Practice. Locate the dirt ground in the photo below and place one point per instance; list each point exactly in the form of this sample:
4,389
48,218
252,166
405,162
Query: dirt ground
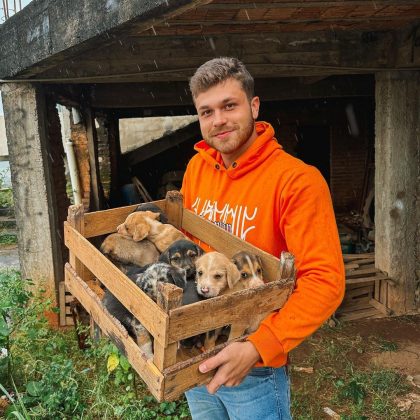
355,350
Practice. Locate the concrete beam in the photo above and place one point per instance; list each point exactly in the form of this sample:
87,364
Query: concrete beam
56,29
397,165
24,108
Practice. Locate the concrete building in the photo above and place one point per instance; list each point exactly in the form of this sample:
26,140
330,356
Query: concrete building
346,76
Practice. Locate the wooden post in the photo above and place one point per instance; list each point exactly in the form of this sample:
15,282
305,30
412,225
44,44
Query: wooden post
287,268
76,218
169,297
174,208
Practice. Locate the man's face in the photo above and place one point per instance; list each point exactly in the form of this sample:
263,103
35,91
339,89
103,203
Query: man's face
227,118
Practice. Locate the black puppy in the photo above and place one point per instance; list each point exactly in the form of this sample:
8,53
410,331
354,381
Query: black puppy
155,209
182,254
147,280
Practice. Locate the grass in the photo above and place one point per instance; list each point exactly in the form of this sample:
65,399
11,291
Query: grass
8,239
341,382
52,378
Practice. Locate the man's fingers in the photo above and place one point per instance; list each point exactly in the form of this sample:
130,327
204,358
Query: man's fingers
215,383
211,363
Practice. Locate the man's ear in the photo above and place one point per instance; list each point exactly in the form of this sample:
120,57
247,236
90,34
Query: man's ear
255,107
233,274
141,231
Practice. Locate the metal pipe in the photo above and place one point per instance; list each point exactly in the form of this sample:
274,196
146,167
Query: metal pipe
73,171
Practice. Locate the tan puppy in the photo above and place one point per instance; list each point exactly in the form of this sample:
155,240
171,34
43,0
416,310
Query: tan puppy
144,224
216,275
122,249
250,267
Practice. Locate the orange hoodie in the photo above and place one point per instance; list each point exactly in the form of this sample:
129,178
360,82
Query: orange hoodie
277,203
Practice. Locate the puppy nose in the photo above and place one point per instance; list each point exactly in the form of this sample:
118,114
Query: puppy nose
204,289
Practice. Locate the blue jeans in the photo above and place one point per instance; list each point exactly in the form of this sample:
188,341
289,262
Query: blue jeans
264,394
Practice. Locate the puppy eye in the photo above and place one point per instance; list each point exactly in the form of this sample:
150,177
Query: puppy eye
244,275
175,259
259,271
217,276
200,273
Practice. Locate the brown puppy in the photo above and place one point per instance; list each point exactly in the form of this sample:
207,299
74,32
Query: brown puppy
123,250
250,267
144,224
216,275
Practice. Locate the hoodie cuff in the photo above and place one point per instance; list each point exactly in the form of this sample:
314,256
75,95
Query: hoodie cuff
266,344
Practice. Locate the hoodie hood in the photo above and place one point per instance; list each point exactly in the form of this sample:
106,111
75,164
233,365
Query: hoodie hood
263,147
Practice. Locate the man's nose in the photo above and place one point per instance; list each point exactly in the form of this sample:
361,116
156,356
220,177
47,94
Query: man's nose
219,118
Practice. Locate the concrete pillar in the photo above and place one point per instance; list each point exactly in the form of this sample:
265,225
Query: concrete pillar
25,117
396,186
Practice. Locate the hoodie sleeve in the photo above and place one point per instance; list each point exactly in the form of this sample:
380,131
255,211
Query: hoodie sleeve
308,225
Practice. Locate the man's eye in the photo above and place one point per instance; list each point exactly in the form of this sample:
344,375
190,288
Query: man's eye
229,106
205,113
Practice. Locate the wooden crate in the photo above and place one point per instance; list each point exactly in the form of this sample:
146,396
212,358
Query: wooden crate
166,374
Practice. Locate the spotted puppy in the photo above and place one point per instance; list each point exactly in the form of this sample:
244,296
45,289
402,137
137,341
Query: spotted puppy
250,267
183,254
147,281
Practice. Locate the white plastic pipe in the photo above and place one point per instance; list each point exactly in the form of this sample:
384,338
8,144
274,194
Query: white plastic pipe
73,171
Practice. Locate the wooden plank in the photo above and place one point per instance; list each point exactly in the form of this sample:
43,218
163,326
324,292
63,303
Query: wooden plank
137,302
360,291
185,375
169,297
244,305
106,221
62,303
351,257
222,5
96,192
113,329
362,272
174,208
361,280
380,307
226,243
363,313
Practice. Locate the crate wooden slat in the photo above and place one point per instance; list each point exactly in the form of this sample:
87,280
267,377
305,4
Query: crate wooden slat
112,328
137,302
167,374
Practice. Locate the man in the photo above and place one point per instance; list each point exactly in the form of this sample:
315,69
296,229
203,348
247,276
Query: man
242,180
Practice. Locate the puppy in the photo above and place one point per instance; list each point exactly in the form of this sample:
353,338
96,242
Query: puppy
155,209
216,275
148,282
183,254
250,267
144,224
123,250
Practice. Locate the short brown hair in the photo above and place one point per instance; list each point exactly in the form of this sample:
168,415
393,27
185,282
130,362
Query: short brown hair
218,70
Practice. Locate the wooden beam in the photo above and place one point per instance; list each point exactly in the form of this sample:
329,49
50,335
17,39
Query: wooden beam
96,192
302,4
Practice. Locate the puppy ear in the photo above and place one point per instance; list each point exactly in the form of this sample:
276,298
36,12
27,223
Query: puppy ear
178,276
199,250
164,257
233,274
152,214
259,260
120,228
141,231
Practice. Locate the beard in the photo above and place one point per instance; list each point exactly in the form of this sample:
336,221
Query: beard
238,136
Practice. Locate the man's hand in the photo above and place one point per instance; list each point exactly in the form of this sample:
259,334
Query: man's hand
233,363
